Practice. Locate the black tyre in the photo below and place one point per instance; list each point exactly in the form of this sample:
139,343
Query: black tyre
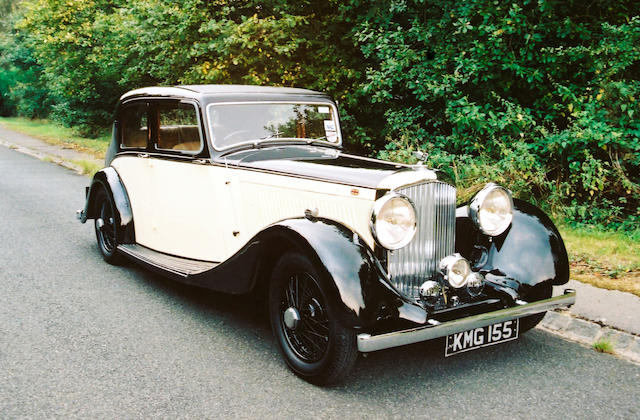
540,292
314,344
105,226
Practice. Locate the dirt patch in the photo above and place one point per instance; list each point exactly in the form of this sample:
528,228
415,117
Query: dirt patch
625,281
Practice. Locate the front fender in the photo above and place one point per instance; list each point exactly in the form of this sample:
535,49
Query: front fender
354,277
530,253
109,180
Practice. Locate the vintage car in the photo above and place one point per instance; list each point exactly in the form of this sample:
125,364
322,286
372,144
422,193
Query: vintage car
245,189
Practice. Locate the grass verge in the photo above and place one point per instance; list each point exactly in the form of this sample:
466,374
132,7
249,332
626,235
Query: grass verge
88,167
609,260
56,134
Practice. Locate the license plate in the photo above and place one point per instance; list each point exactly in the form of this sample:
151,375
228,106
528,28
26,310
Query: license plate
481,337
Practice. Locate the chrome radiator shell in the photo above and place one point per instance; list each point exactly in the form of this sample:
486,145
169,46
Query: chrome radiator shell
435,204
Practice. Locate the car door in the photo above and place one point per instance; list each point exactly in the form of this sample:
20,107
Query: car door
188,193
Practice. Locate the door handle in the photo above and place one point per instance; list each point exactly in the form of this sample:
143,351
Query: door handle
143,155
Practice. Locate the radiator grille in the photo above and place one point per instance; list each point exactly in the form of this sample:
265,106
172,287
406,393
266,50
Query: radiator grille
435,204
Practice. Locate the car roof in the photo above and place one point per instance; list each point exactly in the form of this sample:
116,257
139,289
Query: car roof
214,91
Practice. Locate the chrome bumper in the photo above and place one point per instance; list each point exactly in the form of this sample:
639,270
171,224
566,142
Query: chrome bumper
368,343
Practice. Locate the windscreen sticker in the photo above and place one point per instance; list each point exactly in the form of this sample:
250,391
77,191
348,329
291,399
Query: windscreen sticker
330,130
323,110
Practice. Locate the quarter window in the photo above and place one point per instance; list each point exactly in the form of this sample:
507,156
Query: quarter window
135,127
178,127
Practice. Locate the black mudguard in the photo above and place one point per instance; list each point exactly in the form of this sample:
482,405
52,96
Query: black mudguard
109,180
529,254
353,276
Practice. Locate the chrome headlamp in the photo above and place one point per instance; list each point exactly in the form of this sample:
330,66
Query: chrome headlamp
393,221
492,210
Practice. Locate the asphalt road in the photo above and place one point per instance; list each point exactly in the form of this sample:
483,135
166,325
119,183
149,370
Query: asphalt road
80,338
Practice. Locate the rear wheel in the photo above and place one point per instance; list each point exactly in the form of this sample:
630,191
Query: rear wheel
106,228
537,293
314,344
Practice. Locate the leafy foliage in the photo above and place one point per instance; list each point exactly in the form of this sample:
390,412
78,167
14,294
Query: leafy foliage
93,51
22,88
541,96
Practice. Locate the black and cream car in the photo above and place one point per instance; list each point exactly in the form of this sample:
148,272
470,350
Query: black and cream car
245,189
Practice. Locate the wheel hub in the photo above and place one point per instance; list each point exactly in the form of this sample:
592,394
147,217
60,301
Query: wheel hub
291,318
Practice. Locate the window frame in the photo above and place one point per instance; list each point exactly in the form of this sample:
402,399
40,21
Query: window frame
156,126
129,104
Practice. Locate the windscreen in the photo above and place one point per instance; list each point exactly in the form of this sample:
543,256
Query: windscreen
235,124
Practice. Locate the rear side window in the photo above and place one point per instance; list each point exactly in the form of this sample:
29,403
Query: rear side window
178,127
135,126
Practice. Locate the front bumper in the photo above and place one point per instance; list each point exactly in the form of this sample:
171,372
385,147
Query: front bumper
368,343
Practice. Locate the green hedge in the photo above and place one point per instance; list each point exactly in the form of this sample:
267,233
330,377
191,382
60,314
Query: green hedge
541,96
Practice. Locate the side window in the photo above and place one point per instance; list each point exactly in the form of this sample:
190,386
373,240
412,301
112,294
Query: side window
178,127
135,126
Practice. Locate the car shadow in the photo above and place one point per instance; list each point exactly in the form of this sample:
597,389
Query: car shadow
247,309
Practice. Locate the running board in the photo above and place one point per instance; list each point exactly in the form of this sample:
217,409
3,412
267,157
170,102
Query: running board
181,267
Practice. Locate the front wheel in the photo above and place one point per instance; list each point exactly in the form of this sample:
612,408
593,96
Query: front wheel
314,344
106,228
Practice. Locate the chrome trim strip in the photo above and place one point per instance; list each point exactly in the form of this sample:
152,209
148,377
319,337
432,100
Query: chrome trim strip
368,343
408,178
247,167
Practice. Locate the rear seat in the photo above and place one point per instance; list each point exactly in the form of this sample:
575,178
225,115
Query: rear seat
180,137
137,138
192,146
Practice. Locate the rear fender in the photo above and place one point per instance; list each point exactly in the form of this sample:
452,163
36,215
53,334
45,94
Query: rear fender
109,180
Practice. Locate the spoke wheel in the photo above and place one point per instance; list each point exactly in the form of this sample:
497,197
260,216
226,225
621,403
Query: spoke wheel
308,331
106,229
314,344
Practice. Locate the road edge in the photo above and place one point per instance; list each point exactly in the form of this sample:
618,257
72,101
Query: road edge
42,156
570,327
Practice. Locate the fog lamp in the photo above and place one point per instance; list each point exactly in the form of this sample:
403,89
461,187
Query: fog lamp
455,269
430,291
475,284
